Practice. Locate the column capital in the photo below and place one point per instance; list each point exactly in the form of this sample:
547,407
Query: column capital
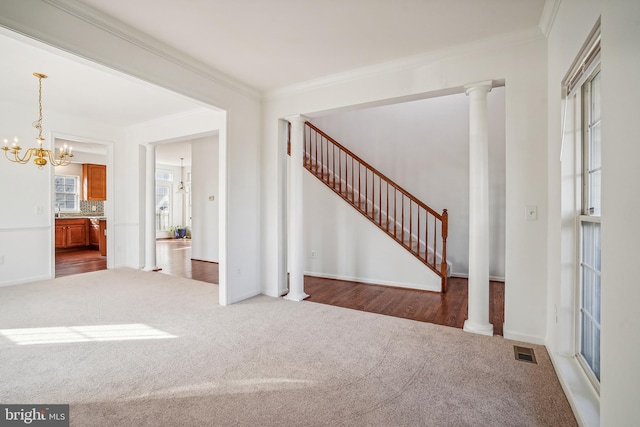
485,86
297,118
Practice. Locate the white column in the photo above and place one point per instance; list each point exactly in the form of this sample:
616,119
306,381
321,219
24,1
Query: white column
295,251
150,211
478,303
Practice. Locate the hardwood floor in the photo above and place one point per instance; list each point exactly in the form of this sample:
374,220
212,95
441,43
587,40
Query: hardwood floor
450,309
173,256
75,261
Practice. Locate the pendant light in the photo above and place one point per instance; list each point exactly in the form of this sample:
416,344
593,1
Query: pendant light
181,189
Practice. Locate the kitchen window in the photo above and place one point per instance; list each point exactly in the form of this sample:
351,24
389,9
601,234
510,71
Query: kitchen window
67,193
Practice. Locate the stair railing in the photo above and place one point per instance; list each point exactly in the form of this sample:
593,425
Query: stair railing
413,224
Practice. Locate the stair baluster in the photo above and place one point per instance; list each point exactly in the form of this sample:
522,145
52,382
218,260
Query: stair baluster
320,159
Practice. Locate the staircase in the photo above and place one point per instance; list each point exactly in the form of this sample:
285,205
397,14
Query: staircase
411,223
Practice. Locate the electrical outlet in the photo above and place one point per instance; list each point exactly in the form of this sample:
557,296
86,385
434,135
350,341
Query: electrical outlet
93,208
238,272
212,198
313,254
39,210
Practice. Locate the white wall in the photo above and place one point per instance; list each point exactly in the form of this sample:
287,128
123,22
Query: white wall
347,246
26,230
205,212
424,147
239,137
617,404
620,205
521,62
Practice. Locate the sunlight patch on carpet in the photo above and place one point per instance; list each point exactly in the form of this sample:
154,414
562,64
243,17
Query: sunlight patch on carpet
76,334
242,386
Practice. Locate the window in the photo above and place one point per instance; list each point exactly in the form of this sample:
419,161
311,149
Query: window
67,193
590,233
582,122
163,207
164,180
162,175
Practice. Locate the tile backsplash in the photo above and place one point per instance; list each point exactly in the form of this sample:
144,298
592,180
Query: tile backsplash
86,207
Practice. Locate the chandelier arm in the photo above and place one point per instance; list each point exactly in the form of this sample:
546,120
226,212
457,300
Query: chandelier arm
16,155
63,160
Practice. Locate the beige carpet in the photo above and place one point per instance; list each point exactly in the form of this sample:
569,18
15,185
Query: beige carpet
263,362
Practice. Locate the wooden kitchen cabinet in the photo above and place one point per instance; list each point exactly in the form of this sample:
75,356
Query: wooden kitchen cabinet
103,237
94,182
71,233
94,232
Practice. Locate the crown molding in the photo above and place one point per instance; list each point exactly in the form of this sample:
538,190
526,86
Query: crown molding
151,45
500,42
548,16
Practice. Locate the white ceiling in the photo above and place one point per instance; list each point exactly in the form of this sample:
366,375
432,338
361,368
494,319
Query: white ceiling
265,44
78,87
83,90
274,43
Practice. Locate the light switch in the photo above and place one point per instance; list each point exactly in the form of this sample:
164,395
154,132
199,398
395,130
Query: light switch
532,213
211,198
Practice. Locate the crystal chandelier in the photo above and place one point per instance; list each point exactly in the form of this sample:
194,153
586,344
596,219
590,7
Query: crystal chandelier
39,154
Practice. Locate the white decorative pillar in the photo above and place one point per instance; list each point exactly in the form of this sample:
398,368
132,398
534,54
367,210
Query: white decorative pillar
478,302
295,251
150,211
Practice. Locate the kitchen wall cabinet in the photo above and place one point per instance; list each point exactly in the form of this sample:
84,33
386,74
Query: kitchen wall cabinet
94,182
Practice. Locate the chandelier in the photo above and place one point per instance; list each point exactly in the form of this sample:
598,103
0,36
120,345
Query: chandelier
39,154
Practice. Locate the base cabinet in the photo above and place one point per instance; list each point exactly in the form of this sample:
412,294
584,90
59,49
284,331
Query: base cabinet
94,232
71,233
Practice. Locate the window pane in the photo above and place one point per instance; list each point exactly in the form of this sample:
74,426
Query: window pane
67,193
163,207
595,98
164,175
590,296
593,146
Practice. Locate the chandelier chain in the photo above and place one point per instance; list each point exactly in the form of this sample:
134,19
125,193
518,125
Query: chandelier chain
38,123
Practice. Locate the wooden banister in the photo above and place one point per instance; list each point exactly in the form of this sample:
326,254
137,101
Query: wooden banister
380,199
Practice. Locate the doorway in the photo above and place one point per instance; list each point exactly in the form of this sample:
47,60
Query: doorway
80,202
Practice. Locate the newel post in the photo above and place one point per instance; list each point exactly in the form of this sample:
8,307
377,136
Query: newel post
443,264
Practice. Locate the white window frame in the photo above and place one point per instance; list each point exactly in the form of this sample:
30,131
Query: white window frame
76,194
588,216
584,68
168,186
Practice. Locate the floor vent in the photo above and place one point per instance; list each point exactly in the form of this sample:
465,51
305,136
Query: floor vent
524,354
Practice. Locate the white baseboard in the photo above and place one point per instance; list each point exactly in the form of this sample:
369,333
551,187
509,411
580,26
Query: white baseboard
466,276
421,287
245,296
582,398
517,336
27,280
